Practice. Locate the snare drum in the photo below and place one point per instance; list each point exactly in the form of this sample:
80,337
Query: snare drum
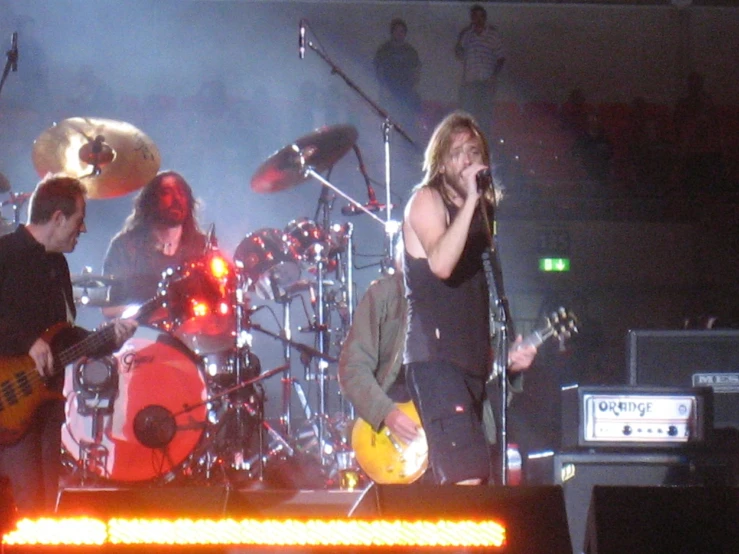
198,297
221,367
158,415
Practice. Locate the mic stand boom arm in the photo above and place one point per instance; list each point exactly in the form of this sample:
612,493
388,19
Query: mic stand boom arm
388,124
308,171
501,327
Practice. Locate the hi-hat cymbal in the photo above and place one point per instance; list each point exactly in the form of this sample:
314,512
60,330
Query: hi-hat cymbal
320,149
92,281
111,158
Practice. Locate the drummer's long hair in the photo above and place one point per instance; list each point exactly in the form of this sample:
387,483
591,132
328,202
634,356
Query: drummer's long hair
145,207
441,142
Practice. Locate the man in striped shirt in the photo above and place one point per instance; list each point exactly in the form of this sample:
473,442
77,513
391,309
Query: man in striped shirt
480,49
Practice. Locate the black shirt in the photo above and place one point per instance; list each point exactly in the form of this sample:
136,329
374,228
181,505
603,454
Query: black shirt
448,319
35,291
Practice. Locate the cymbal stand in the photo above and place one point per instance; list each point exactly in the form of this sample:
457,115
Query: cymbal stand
288,381
321,328
243,409
343,298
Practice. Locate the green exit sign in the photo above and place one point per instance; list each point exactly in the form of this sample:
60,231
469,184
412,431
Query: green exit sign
554,265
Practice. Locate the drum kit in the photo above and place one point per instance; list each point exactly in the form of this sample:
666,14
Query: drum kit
183,399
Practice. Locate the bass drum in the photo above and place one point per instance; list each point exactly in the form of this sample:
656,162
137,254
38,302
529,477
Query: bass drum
157,418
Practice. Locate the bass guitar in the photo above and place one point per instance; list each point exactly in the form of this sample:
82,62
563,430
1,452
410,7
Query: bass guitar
22,388
389,461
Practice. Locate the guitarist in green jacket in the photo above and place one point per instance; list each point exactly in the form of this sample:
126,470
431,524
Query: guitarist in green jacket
36,297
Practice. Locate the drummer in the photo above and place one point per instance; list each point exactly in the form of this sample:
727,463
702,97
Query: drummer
161,232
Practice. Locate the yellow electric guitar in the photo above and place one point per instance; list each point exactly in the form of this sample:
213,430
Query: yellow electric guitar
389,461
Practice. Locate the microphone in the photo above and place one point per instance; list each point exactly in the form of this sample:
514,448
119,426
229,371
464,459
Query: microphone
484,180
353,209
13,54
211,242
301,39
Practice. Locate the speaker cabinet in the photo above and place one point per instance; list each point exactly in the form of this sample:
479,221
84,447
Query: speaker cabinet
207,502
580,472
8,511
649,520
533,516
706,358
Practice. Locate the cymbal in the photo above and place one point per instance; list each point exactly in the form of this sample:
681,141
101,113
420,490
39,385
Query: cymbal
111,158
321,149
92,281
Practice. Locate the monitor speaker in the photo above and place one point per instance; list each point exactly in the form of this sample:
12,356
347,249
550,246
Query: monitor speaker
580,472
534,517
647,520
207,502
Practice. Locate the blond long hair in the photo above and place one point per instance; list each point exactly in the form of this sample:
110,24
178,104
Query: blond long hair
441,142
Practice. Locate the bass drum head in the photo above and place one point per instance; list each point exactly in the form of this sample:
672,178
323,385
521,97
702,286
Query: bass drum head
153,426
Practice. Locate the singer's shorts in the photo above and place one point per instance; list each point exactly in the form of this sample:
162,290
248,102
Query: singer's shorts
449,402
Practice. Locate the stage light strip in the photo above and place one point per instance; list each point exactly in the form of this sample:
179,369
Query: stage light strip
87,531
51,531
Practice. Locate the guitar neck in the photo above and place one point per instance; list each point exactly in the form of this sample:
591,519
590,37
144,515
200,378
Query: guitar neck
92,343
88,345
537,338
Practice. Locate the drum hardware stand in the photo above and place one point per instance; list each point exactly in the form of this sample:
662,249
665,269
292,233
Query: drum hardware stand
17,199
287,379
95,396
307,354
241,408
288,382
320,258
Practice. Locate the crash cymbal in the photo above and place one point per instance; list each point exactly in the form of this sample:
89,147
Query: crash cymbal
320,149
111,158
91,281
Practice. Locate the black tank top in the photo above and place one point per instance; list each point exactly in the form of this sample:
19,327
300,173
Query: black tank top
448,319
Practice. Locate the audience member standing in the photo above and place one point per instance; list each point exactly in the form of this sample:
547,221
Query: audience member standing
697,128
594,150
397,67
480,49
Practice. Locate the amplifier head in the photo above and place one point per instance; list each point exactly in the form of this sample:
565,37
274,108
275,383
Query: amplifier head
636,417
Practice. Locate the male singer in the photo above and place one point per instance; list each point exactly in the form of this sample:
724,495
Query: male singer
448,349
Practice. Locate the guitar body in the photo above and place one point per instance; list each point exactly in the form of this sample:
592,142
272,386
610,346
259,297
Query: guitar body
385,459
22,391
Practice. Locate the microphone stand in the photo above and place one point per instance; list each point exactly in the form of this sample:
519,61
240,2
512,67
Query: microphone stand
501,327
11,63
387,126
